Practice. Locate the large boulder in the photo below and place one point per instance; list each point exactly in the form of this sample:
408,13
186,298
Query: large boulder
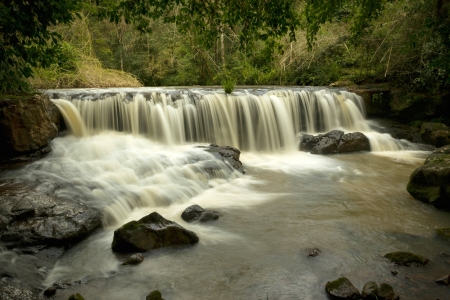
334,142
27,125
151,232
341,289
31,217
431,182
436,134
197,213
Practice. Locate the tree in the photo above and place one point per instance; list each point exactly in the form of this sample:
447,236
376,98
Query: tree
26,40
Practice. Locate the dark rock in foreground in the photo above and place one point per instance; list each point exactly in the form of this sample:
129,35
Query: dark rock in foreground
134,259
197,213
334,142
436,134
341,288
430,183
30,217
27,124
151,232
155,295
406,259
227,154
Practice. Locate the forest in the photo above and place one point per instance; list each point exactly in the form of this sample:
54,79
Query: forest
405,43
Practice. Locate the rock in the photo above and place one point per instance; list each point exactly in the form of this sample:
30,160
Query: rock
386,292
155,295
341,288
51,291
370,291
134,259
397,130
436,134
406,259
27,125
197,213
76,297
430,183
151,232
444,233
10,292
353,142
313,252
227,154
376,98
444,280
394,272
35,218
334,142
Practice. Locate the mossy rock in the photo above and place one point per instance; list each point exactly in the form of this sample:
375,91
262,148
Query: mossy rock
155,295
406,259
341,288
76,297
444,233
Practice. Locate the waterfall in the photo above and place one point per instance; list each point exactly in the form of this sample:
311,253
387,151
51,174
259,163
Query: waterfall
261,120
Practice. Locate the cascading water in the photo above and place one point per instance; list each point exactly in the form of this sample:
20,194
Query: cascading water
262,120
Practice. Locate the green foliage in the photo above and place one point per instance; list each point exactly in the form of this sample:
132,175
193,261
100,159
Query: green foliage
25,38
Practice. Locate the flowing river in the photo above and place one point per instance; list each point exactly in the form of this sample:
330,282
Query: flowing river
133,151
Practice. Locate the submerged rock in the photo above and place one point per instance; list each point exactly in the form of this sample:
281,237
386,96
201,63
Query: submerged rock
334,142
10,292
313,252
27,125
134,259
341,288
155,295
151,232
197,213
444,233
35,218
406,259
444,280
430,183
436,134
227,154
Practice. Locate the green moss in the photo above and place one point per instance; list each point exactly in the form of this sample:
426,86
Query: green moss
76,297
155,295
406,259
336,284
427,194
444,233
385,290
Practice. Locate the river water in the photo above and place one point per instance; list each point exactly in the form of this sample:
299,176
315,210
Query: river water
353,207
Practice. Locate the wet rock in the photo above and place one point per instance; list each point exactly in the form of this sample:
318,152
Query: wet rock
394,272
197,213
444,233
155,295
353,142
430,183
334,142
370,291
397,130
406,259
436,134
10,292
27,125
227,154
35,218
386,292
51,291
444,280
151,232
134,259
313,252
341,288
76,297
376,98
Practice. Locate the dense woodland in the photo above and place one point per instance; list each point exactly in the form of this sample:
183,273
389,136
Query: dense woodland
180,43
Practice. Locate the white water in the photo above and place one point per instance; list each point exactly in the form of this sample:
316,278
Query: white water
267,121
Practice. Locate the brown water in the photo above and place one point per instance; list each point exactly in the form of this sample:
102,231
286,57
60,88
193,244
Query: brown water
353,207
